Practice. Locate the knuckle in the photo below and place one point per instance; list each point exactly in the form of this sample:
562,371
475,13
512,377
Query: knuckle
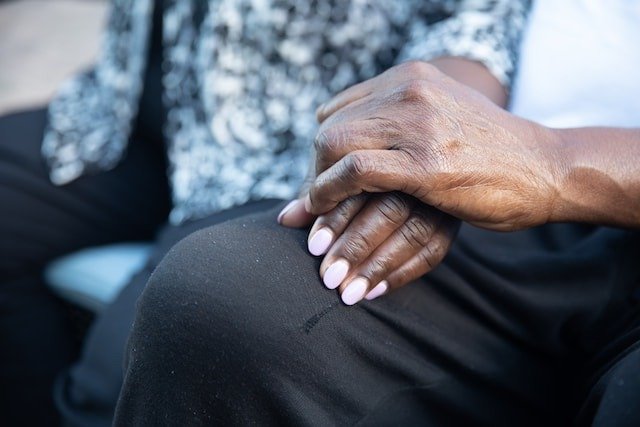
342,216
417,231
357,166
354,246
394,208
328,141
322,141
415,91
343,213
378,268
431,256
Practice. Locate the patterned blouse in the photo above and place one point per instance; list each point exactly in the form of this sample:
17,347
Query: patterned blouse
242,79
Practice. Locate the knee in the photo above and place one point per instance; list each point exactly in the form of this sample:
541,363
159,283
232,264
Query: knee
224,317
237,289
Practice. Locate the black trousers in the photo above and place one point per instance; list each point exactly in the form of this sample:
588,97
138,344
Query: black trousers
539,327
39,222
86,393
586,344
40,361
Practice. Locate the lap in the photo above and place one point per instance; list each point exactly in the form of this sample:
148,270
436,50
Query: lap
87,392
240,308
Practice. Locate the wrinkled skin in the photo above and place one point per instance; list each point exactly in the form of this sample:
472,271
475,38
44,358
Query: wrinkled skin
415,130
388,239
398,135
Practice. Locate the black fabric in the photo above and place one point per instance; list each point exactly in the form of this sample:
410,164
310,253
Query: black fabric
612,383
531,325
235,328
39,222
87,393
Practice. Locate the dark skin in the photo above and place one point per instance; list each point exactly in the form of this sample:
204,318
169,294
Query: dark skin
417,132
452,148
376,243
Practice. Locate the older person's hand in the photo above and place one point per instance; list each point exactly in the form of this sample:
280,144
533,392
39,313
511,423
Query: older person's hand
375,243
413,129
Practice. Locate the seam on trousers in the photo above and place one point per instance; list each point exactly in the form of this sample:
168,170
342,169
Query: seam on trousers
313,320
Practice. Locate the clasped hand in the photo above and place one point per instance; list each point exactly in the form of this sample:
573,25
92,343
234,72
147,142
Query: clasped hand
436,152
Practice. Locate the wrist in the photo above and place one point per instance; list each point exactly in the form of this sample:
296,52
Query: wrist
560,163
596,176
547,167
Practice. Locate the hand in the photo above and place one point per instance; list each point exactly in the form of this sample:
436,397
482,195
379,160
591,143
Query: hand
415,130
374,244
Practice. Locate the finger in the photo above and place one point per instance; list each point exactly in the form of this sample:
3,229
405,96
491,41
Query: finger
295,215
310,176
414,268
390,78
372,171
380,217
333,142
346,97
411,252
377,291
403,244
423,262
332,224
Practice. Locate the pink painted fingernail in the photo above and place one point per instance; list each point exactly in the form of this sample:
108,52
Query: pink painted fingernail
354,292
380,289
336,273
320,241
286,209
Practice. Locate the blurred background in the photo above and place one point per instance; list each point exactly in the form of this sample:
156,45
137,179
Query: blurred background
41,43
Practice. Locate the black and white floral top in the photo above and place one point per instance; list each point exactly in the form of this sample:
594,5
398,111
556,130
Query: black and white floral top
242,78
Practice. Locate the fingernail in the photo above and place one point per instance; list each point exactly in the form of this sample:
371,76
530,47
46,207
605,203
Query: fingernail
307,203
286,209
336,273
354,292
380,289
320,241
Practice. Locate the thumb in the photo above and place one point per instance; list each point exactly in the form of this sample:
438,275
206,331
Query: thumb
294,215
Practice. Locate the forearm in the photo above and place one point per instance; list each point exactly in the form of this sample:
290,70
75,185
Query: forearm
598,179
475,75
